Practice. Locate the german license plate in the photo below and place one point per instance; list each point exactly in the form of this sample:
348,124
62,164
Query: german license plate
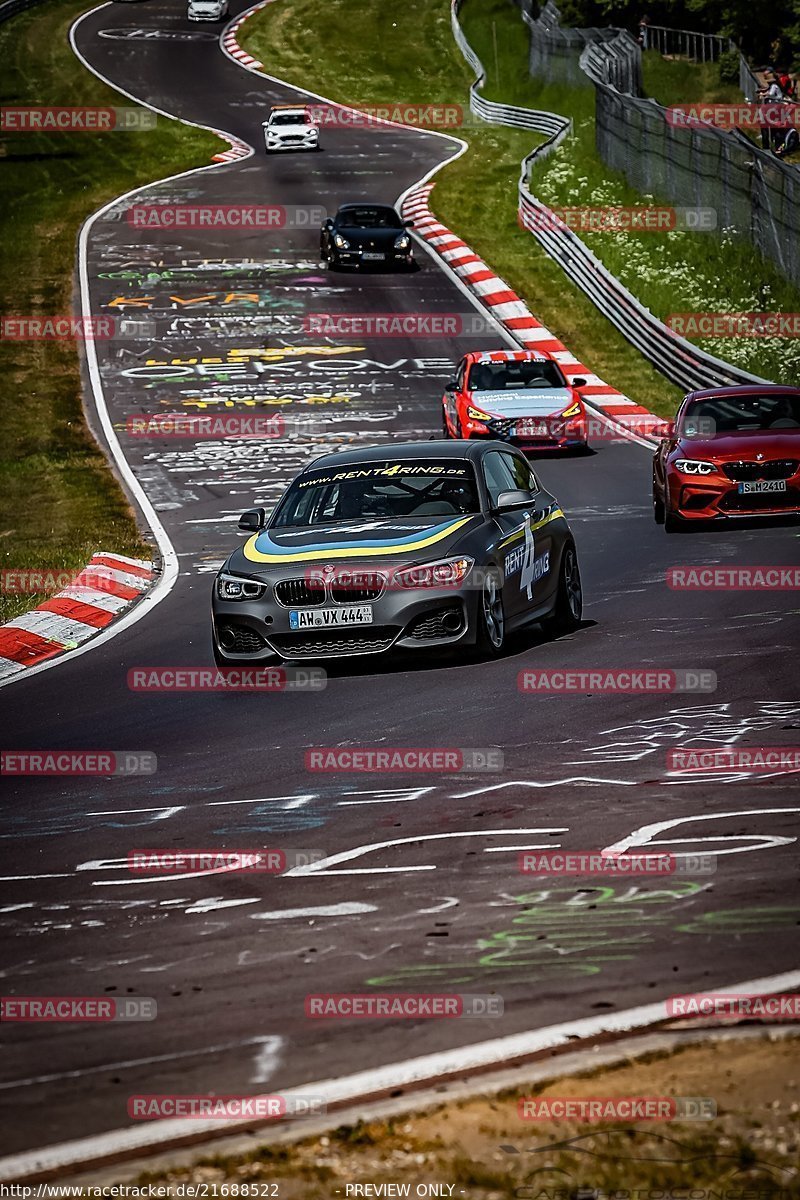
532,429
373,255
763,485
330,618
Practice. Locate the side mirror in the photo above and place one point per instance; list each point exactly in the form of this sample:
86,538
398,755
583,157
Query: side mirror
518,498
669,430
579,381
253,520
408,224
328,224
451,385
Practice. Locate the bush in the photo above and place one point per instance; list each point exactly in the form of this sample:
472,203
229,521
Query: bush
729,67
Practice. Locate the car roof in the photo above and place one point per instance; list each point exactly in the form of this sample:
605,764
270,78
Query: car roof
366,204
403,451
747,389
486,356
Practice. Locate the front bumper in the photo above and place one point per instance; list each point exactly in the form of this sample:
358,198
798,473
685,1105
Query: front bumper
716,497
303,142
408,619
355,258
207,16
557,437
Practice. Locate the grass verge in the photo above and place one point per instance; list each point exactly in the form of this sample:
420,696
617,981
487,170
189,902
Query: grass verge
59,501
482,1149
406,52
680,81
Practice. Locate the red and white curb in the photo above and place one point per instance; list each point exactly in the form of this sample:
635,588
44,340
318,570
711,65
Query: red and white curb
230,42
513,314
238,150
105,588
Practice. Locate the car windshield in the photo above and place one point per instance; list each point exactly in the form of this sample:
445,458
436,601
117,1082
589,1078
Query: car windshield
294,118
750,413
502,376
369,217
416,488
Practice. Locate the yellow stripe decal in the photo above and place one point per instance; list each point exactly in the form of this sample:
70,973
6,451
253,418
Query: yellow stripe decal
519,533
355,551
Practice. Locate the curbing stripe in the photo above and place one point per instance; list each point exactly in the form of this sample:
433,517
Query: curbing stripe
106,587
513,314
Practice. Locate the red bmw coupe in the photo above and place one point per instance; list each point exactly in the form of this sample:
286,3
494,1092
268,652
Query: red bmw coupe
730,452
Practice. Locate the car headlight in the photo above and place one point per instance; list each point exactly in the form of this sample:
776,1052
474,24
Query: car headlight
694,466
402,242
475,414
340,243
574,410
447,572
234,587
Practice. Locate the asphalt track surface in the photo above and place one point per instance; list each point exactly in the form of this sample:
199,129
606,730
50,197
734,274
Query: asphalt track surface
230,958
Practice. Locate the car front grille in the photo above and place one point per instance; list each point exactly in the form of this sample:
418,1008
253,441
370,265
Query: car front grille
333,643
761,501
294,593
245,640
432,625
746,471
357,595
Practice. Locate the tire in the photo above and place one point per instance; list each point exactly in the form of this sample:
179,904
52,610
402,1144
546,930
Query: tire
491,635
672,524
568,609
659,512
445,427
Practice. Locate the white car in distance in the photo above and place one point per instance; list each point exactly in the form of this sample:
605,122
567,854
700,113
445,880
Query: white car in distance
290,127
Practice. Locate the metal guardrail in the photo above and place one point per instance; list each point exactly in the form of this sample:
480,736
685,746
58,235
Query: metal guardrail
688,43
10,8
493,113
677,359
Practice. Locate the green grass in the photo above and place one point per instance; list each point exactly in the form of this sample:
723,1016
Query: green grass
311,45
679,81
59,501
